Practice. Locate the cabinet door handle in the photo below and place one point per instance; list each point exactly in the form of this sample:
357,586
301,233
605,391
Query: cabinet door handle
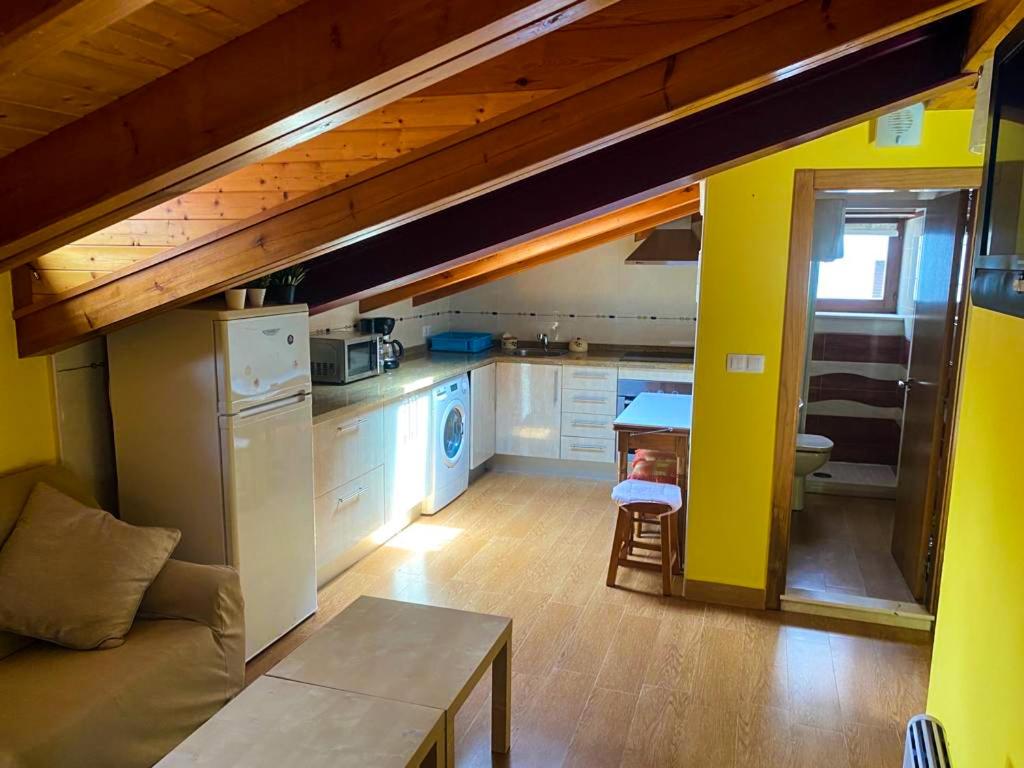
352,426
591,448
595,424
590,375
554,394
351,497
577,399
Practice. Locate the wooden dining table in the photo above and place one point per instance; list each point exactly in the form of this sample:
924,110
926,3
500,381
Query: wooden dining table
658,421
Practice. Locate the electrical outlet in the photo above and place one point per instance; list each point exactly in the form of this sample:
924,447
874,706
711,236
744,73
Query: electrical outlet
426,331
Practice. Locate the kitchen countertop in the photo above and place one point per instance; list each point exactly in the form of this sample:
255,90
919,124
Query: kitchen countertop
419,373
657,411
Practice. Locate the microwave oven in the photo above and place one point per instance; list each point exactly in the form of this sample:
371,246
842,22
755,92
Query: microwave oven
345,358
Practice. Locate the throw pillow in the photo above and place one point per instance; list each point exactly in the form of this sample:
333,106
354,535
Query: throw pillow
74,575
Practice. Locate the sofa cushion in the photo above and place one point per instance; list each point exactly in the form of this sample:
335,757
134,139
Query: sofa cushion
122,708
75,575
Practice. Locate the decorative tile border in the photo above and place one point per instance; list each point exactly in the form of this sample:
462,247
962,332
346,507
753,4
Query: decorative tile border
555,315
350,327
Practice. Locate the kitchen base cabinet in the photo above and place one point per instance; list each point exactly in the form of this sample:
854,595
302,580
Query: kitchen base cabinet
407,458
481,415
588,410
351,521
346,448
588,449
528,410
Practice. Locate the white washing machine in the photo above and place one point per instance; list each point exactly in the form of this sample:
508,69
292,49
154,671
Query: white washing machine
450,432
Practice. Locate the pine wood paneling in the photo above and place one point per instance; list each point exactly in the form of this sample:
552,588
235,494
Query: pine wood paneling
86,53
292,78
357,146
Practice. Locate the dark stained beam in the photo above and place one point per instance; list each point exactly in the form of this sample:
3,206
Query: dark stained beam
898,71
549,256
406,194
656,210
307,71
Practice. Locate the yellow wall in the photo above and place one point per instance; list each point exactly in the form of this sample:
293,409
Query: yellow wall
977,678
742,290
27,429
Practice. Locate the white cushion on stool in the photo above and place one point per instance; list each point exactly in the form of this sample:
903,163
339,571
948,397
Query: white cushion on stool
646,492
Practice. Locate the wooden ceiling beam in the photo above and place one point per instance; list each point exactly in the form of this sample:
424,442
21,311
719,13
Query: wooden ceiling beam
913,66
539,140
33,29
591,232
991,22
554,254
303,73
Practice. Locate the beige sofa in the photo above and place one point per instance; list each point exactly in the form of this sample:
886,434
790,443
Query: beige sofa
130,705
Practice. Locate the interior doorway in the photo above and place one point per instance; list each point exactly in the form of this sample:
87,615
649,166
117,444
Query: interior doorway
871,349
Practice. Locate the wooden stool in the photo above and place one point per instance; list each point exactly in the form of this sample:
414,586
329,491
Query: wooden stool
639,502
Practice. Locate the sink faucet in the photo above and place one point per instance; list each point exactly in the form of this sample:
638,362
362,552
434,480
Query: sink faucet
543,339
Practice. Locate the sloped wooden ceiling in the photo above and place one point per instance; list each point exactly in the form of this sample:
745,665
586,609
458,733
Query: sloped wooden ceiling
300,74
619,70
566,56
62,59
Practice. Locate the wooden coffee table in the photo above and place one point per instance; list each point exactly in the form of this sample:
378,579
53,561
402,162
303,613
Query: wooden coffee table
277,722
417,654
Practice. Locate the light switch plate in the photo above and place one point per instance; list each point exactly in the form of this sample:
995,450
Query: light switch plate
736,363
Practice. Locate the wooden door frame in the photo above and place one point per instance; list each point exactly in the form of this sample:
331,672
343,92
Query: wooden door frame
806,184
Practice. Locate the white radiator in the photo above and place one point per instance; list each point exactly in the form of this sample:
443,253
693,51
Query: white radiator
926,744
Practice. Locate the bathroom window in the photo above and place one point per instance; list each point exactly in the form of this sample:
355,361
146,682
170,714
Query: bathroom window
866,278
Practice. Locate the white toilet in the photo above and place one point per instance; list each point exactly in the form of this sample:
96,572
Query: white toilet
812,453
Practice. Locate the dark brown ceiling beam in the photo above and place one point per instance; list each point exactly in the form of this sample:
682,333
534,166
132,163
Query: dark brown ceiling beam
305,72
593,231
904,70
559,131
32,29
554,254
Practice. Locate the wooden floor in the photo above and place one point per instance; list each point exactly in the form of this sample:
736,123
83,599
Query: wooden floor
625,677
840,544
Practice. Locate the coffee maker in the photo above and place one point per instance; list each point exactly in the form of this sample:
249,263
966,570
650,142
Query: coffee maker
391,351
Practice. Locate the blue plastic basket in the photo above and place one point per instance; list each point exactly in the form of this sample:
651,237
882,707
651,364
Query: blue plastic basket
461,341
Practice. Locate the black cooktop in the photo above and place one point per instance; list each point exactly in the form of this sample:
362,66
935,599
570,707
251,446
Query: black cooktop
683,355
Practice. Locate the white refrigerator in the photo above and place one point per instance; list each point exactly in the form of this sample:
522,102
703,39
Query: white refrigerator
213,435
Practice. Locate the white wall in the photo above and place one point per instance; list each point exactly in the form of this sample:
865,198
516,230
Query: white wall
409,327
592,294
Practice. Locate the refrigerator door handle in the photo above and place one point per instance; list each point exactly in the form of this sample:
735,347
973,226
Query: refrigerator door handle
273,406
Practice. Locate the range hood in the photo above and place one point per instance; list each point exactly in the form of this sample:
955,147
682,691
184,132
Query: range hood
674,243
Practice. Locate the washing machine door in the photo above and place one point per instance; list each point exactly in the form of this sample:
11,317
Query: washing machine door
453,433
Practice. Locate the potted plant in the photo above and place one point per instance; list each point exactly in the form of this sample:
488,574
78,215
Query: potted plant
257,290
285,281
235,298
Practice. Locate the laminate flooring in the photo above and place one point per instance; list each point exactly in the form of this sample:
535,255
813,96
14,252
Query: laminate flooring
626,677
840,544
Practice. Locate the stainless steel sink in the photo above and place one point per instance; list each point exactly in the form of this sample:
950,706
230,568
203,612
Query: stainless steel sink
535,352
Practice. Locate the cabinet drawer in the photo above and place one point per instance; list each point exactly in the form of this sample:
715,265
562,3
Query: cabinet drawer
588,401
588,449
344,449
589,377
347,518
587,425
